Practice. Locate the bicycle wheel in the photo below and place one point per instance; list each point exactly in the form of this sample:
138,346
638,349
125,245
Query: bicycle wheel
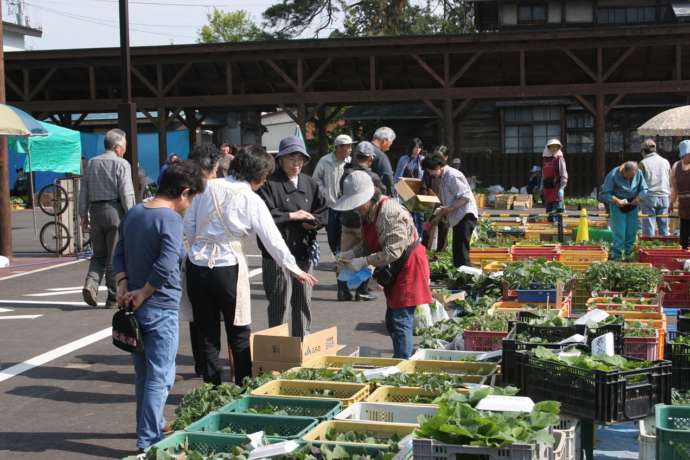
53,199
54,237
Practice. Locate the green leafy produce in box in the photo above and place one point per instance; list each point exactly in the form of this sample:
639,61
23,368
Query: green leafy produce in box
536,274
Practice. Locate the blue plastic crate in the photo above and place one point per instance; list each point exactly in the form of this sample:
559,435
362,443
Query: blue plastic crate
536,295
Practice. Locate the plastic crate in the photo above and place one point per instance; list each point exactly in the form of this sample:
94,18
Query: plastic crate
483,340
670,259
356,362
321,409
234,423
672,432
602,397
679,355
405,395
429,354
430,449
647,439
566,435
380,430
205,444
386,412
536,295
346,393
464,368
683,324
646,348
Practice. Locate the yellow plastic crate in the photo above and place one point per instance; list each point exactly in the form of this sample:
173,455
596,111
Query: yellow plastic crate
380,430
405,395
346,393
586,257
507,306
494,266
449,367
338,362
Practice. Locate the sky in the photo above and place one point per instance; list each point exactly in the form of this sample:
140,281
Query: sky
94,23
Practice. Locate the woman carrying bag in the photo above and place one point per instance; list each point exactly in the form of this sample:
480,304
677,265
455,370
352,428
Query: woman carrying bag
217,272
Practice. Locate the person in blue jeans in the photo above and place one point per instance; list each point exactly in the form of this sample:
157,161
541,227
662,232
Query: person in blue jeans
657,173
147,262
623,189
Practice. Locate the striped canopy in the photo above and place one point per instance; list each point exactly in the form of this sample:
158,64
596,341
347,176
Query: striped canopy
672,122
16,122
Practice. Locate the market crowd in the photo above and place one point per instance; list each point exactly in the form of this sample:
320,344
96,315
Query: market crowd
180,255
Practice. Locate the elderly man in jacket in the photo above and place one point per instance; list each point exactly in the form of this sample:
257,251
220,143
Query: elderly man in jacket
657,173
623,189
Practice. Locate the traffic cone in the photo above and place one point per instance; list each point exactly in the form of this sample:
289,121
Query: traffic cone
583,226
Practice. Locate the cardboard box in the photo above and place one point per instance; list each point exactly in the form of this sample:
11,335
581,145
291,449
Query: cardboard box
523,202
276,345
408,189
262,367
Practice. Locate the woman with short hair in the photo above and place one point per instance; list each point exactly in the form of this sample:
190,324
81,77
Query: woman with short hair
217,272
146,262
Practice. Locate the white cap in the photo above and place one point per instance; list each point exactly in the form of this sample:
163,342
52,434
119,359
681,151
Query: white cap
554,142
343,139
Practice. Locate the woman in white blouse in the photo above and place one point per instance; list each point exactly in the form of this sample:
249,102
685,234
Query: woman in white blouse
217,274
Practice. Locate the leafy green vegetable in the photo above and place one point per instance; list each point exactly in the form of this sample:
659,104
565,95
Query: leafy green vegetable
682,339
581,201
680,397
649,244
458,422
621,277
590,362
202,400
497,322
536,274
638,329
485,236
363,437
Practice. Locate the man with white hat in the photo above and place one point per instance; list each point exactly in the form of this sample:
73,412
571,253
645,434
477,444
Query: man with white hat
328,174
391,244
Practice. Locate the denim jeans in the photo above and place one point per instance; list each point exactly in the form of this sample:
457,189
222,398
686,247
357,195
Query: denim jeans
154,370
624,227
554,206
334,230
654,206
399,323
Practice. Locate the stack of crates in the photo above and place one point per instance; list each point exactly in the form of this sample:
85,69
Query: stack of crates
579,258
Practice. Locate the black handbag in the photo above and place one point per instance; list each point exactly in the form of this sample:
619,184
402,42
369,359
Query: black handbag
387,274
126,332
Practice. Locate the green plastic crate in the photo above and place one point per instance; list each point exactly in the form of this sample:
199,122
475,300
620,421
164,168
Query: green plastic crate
206,444
320,409
672,432
272,426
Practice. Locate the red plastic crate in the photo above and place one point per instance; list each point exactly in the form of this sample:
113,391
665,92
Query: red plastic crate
641,347
670,238
483,340
664,258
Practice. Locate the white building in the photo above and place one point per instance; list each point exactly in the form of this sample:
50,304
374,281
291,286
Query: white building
14,36
277,125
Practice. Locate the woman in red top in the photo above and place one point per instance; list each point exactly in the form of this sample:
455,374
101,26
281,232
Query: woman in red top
554,177
390,239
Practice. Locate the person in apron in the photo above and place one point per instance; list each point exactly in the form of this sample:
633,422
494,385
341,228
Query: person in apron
554,178
680,190
389,240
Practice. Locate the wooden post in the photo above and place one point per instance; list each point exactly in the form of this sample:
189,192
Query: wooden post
302,118
449,126
162,136
599,140
323,139
5,209
127,110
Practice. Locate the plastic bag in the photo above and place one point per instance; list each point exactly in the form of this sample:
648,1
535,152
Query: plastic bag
438,312
422,317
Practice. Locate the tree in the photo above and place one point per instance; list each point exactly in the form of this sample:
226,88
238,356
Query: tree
230,26
371,17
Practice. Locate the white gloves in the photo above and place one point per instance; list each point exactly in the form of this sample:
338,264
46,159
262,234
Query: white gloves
358,263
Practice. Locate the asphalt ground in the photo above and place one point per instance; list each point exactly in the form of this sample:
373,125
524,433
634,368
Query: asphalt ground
81,405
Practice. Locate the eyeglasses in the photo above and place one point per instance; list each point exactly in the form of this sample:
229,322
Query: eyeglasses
296,159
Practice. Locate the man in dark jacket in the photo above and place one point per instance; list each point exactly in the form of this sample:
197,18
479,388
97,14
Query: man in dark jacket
352,234
299,209
382,141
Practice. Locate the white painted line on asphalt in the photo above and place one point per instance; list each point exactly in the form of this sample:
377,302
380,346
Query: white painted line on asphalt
42,269
255,272
44,358
48,302
65,288
21,317
62,292
5,310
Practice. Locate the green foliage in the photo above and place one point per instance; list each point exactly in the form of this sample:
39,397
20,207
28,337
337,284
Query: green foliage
485,236
680,397
202,400
536,274
638,329
581,201
494,323
621,277
682,339
230,26
593,363
458,422
650,244
362,437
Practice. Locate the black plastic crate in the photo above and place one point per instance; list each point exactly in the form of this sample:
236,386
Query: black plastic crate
679,355
602,397
683,324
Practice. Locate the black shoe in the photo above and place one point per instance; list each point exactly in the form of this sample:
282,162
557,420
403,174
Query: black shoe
89,296
364,296
110,304
344,294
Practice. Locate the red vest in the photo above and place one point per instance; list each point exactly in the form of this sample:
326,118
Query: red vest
550,173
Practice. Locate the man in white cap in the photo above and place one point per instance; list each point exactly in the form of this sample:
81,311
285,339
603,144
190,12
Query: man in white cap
328,174
391,244
680,190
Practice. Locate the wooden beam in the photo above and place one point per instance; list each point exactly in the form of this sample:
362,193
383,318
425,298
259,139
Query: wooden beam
15,88
92,83
81,118
319,70
300,75
162,136
282,74
150,118
446,69
146,81
458,75
600,64
311,113
302,117
599,140
585,103
448,125
176,78
523,70
228,77
159,78
580,64
463,105
372,73
334,112
679,62
41,83
289,113
613,103
178,114
618,62
26,82
428,69
433,107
